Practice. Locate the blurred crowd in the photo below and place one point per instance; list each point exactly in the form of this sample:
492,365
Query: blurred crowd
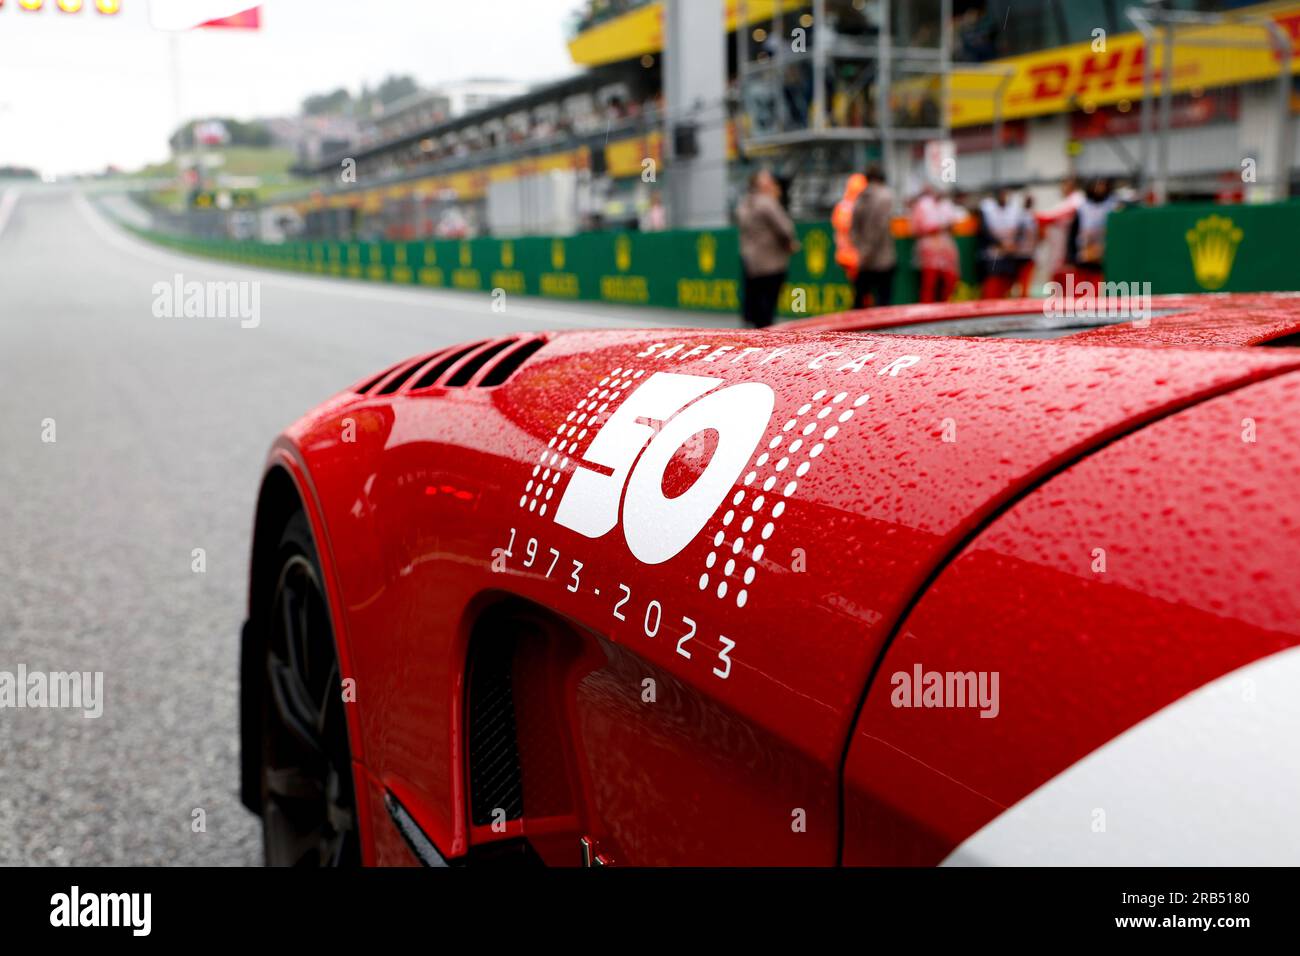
1018,247
975,35
550,124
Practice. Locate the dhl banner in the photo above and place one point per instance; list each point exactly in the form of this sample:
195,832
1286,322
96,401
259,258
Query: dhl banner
1064,78
1049,81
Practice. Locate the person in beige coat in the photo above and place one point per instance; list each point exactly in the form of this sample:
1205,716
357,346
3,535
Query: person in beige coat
767,241
872,235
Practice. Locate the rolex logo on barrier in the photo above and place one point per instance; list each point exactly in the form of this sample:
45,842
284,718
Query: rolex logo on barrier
1213,244
706,247
816,250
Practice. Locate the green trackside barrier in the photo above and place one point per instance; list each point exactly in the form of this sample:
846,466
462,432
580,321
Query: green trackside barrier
683,269
1200,247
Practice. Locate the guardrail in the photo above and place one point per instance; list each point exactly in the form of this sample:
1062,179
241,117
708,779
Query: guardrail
681,269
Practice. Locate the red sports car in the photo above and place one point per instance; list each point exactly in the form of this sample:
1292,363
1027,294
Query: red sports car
966,584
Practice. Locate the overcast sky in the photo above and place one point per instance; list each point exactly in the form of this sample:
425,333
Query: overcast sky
80,91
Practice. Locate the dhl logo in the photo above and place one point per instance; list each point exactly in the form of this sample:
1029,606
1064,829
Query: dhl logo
1063,78
1094,73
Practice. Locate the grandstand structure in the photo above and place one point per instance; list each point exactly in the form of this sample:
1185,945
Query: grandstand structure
992,91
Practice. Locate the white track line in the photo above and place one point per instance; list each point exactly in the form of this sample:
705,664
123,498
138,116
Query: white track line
8,200
424,299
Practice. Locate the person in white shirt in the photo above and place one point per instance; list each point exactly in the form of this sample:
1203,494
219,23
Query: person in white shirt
999,222
935,252
1087,248
1055,223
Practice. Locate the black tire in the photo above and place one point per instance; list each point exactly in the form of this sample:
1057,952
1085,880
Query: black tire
308,801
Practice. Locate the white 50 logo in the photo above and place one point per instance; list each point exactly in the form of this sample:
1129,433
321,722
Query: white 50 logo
631,451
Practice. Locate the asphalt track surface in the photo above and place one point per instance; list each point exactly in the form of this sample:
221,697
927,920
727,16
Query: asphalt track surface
161,427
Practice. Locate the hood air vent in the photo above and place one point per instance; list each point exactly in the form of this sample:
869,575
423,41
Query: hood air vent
479,365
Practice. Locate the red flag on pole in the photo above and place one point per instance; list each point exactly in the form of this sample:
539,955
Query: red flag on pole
179,15
244,20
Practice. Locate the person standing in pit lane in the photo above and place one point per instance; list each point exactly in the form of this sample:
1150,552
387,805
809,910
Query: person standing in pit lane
767,241
873,238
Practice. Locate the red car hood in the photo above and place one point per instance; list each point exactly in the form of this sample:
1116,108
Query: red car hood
1224,320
